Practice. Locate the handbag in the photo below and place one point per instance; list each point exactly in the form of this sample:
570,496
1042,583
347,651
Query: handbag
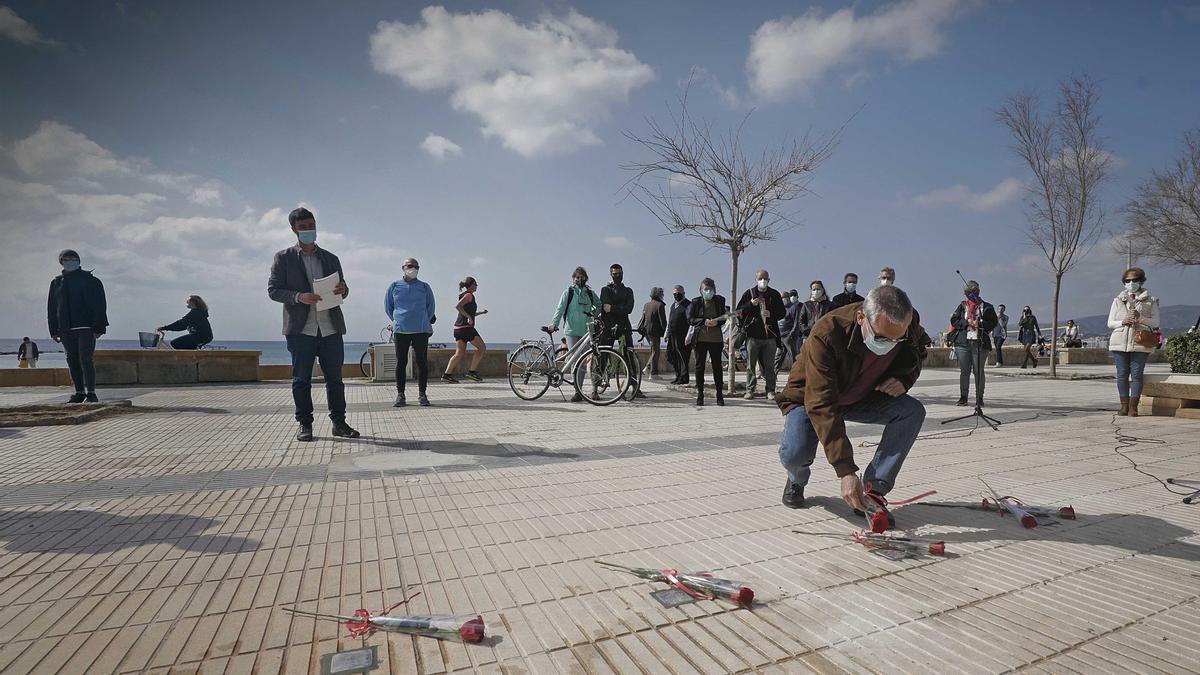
23,363
1145,337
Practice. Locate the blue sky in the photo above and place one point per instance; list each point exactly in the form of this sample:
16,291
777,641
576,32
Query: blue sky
167,141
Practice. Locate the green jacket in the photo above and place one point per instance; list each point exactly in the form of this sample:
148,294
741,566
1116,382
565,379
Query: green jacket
580,300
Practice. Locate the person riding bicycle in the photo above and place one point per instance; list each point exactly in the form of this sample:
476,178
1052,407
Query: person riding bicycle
616,304
574,307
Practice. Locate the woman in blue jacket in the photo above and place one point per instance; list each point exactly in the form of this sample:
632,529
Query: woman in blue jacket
409,304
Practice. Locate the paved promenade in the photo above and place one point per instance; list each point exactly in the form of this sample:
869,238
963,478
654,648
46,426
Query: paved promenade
169,540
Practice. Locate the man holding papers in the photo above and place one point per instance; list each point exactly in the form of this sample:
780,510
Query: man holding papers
312,322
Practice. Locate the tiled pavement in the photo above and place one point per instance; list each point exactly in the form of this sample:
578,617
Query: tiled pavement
169,540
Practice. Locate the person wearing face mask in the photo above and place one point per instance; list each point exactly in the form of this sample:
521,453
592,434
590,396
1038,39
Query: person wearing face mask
1029,333
678,349
857,365
789,328
707,314
811,310
77,314
1000,334
972,323
653,326
312,335
410,305
195,322
1134,321
760,310
576,307
887,277
616,304
849,295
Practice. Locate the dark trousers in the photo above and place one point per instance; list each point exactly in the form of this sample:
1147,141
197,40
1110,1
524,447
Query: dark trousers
999,351
328,350
971,359
189,341
712,351
419,343
80,345
678,355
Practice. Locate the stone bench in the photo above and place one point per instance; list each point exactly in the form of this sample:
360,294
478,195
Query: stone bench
1170,395
169,366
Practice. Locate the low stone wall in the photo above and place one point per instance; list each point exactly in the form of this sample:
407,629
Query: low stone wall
939,357
1171,395
168,366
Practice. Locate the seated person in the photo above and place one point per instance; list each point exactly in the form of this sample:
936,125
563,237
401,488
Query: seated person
1074,335
195,322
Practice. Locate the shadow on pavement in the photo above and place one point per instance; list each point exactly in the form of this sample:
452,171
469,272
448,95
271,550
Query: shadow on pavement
475,448
82,531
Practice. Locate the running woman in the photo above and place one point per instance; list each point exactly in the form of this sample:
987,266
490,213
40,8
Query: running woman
464,332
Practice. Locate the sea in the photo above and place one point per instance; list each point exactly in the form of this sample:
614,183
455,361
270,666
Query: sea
274,352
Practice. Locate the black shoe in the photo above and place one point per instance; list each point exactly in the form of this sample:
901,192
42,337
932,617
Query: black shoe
577,398
305,433
344,430
91,397
423,400
675,381
449,379
400,401
793,495
474,376
639,394
77,397
699,403
720,401
979,403
686,380
962,400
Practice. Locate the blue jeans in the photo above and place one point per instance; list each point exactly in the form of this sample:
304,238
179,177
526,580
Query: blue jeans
328,349
1130,366
902,418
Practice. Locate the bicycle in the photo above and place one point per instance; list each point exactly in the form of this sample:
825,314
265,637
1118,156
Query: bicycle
598,373
366,362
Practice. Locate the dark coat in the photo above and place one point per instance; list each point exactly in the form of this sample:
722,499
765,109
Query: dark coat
677,323
194,322
76,300
654,320
30,354
828,364
791,321
842,299
810,313
1029,332
621,300
751,315
288,280
987,322
696,313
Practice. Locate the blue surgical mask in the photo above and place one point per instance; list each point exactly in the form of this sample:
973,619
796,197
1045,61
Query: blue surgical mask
973,297
70,265
1131,286
307,237
851,286
708,293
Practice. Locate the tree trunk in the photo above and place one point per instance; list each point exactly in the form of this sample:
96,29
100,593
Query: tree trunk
1054,328
731,377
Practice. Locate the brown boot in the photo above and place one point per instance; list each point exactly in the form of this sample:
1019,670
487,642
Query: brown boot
1124,406
1133,406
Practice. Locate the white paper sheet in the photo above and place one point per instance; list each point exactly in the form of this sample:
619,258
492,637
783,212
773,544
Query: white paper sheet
324,288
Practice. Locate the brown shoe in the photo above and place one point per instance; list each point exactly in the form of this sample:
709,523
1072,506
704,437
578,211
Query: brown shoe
1124,406
1133,405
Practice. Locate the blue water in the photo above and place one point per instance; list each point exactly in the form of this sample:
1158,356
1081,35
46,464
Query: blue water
274,352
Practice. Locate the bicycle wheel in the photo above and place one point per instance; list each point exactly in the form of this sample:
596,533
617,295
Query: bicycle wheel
529,372
385,335
602,377
366,364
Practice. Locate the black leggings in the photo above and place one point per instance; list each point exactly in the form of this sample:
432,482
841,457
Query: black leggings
712,350
189,341
419,342
80,345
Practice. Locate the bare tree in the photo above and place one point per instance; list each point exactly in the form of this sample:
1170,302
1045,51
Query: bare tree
1164,214
702,184
1069,163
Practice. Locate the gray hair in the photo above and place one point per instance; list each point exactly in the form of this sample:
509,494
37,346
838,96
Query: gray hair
410,261
889,301
656,293
762,273
888,271
972,286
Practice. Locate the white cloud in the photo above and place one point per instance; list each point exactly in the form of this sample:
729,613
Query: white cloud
619,242
440,147
19,30
57,150
477,261
789,56
702,76
960,195
539,87
205,196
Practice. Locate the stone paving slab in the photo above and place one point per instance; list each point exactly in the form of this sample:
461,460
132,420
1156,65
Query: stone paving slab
168,541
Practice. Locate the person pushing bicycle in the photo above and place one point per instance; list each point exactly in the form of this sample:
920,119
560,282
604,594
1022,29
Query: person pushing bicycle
616,304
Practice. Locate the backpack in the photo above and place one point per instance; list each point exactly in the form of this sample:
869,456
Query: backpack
571,295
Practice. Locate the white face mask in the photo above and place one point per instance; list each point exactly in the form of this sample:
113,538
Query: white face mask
1133,286
817,294
850,286
885,282
762,284
877,347
410,272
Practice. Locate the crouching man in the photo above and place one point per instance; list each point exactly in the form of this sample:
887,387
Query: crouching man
857,365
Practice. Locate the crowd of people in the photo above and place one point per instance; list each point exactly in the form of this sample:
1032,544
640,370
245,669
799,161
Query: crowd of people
848,358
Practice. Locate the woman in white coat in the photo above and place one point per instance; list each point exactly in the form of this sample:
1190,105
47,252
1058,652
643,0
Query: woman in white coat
1133,320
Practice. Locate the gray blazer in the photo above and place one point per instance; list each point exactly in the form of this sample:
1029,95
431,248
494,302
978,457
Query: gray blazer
288,280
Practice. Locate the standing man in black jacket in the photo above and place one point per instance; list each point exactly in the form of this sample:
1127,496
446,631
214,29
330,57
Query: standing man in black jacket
312,335
760,309
616,304
77,313
973,321
850,295
678,353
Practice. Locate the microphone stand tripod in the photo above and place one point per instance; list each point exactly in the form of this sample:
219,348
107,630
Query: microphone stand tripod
1188,485
990,421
